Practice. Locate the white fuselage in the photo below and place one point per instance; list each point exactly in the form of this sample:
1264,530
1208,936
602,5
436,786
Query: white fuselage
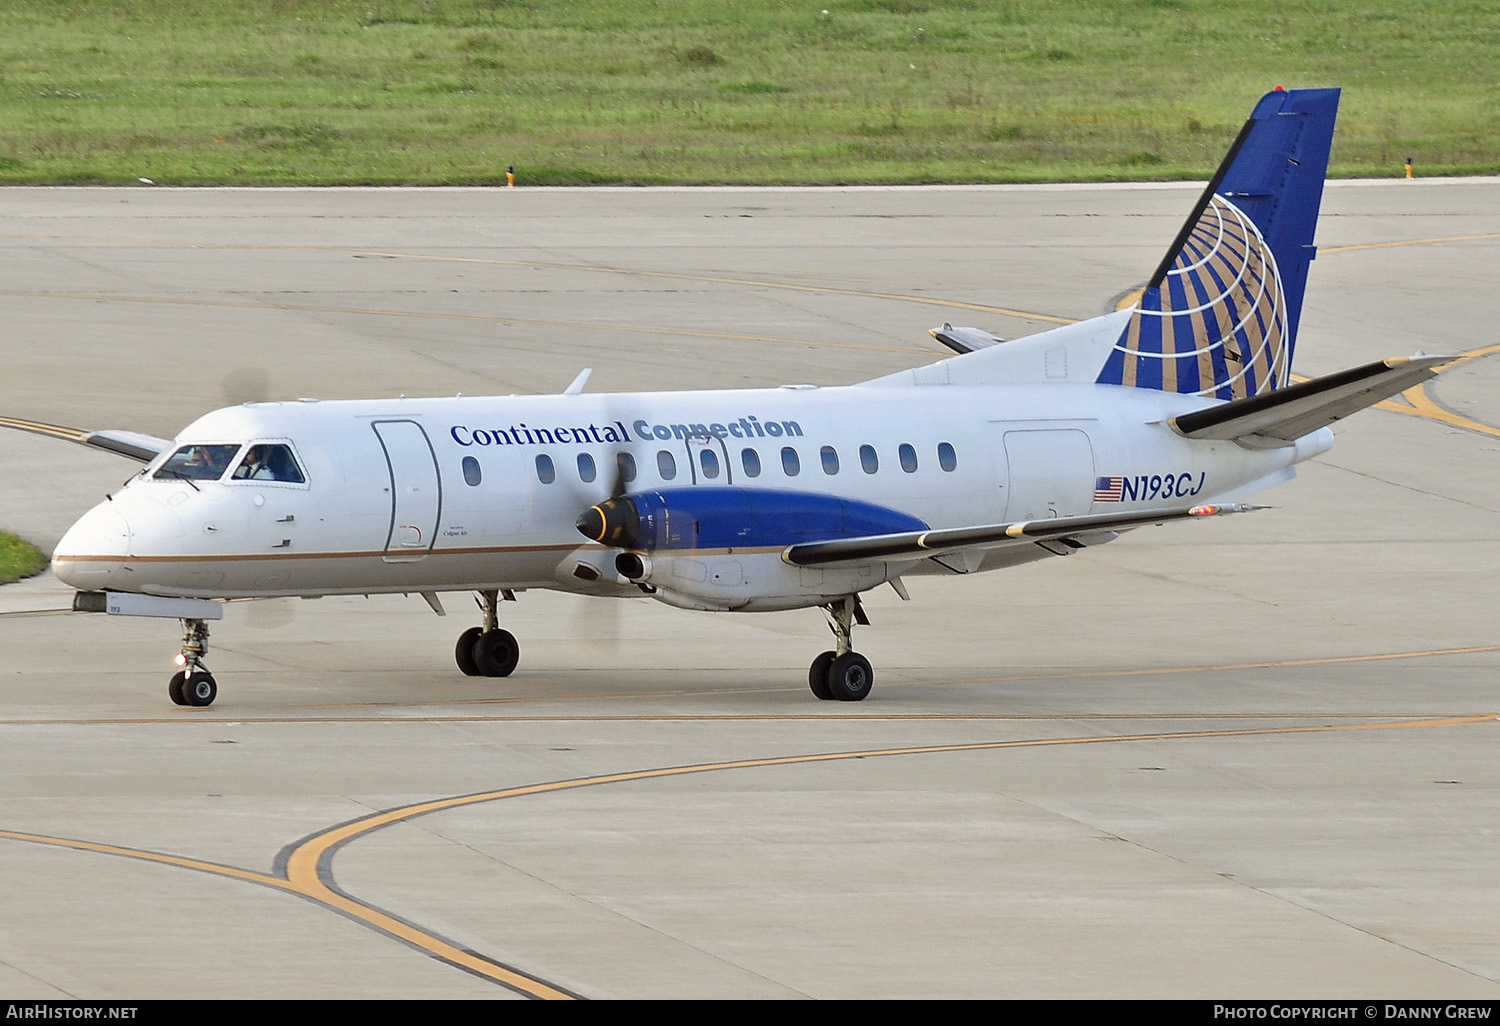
448,494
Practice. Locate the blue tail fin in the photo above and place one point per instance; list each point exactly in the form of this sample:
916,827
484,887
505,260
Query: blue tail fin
1219,316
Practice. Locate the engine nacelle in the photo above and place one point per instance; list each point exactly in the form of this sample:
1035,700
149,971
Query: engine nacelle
735,518
720,548
750,581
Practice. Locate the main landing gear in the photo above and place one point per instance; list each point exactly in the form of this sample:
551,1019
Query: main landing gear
193,684
843,674
488,651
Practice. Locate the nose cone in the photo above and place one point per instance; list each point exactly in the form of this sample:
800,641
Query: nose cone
92,551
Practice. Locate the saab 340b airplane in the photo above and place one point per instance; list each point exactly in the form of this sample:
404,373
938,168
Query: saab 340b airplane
765,499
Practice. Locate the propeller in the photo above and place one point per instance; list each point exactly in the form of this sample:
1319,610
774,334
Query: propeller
595,623
619,476
615,521
586,564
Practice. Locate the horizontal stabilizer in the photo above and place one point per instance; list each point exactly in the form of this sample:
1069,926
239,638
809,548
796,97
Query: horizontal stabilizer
1071,354
965,340
922,544
1277,418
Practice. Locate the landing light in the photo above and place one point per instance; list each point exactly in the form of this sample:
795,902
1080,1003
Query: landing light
180,660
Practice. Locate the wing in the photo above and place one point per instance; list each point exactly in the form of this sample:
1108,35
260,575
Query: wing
130,444
1273,419
922,544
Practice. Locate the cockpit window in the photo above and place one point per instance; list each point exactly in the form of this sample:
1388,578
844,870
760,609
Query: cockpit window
197,463
266,461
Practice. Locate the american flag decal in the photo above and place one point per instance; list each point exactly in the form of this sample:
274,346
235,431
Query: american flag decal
1109,489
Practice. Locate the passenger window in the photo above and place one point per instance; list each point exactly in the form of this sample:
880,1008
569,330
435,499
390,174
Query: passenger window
626,464
545,471
830,460
908,458
789,462
750,460
947,458
197,463
666,466
471,471
587,471
710,463
266,462
868,460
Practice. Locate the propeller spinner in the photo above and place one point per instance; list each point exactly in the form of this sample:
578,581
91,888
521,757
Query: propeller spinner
614,522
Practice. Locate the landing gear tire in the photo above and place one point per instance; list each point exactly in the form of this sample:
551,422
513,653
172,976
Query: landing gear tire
193,684
850,677
463,653
496,653
848,674
199,690
817,675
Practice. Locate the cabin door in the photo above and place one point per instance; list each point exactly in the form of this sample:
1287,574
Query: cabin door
416,493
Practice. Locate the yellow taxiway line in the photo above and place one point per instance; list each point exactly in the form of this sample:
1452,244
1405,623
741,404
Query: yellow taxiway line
308,867
324,895
1406,242
1420,404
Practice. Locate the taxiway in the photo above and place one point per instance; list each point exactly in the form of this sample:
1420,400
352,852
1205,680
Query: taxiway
1245,758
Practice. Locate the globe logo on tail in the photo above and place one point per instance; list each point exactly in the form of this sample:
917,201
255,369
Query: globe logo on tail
1216,324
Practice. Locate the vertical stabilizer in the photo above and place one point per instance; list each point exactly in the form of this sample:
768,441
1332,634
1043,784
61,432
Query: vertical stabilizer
1219,316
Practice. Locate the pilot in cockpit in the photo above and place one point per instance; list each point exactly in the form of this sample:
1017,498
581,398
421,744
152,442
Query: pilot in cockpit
255,466
197,462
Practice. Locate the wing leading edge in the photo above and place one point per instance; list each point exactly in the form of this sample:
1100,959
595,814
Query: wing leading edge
923,544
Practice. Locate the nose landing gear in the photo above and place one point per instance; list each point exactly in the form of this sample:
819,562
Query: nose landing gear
488,651
842,674
193,684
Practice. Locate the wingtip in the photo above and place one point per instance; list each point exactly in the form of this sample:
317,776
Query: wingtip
1421,358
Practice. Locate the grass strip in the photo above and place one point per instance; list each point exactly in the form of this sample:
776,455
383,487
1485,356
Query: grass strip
18,559
325,92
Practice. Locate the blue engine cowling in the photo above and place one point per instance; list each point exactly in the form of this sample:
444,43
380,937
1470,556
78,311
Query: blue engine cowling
678,519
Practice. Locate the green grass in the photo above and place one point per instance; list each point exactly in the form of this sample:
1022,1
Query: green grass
757,91
18,559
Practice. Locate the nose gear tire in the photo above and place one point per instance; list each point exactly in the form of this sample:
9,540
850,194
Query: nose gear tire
199,690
